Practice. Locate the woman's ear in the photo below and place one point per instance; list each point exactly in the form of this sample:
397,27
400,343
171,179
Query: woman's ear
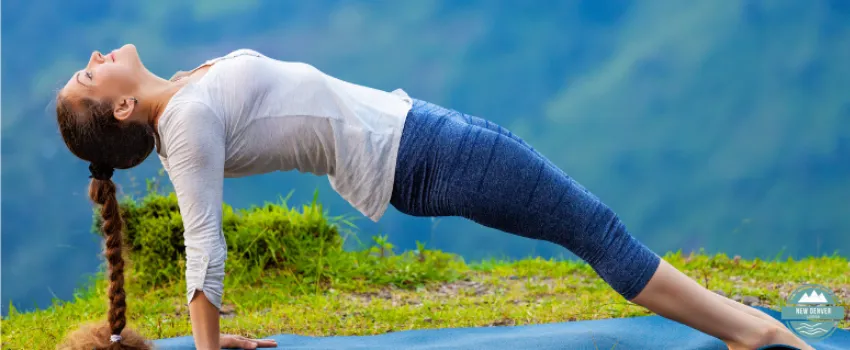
124,108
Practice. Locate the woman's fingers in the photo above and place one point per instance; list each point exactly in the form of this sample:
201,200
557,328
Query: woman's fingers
231,341
266,343
247,343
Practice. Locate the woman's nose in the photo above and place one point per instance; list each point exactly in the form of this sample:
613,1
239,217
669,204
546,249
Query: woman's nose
96,57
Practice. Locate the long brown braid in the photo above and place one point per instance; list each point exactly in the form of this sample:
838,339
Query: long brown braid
92,133
103,193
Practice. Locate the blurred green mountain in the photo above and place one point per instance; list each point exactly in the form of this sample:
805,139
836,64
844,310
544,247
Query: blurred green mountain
708,124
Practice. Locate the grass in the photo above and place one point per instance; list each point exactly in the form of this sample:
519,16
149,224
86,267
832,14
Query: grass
287,273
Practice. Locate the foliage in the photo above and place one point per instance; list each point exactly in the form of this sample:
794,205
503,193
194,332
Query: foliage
272,237
488,293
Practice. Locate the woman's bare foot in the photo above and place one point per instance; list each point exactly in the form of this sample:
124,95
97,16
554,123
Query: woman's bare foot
751,311
673,295
781,335
786,337
772,336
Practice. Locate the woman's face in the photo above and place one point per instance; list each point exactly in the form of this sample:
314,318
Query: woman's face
114,76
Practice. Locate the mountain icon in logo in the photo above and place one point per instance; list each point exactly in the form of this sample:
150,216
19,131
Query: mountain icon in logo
813,298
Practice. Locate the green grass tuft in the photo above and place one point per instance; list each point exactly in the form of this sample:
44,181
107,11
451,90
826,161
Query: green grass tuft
287,272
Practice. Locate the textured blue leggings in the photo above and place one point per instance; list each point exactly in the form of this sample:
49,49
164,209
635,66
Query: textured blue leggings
453,164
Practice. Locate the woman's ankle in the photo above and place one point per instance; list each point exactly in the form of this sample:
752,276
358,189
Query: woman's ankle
774,335
761,336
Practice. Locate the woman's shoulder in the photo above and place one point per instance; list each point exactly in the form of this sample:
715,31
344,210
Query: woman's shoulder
187,110
186,120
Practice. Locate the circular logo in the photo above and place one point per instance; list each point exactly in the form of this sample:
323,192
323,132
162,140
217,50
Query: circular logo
812,312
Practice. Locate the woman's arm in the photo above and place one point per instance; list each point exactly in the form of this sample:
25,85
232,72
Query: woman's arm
194,146
205,325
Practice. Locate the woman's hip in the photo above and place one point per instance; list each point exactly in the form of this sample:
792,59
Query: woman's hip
449,161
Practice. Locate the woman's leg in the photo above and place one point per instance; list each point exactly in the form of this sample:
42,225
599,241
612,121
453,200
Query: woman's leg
451,165
480,122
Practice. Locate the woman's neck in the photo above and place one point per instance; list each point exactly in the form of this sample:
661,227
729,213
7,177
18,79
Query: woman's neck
157,97
163,90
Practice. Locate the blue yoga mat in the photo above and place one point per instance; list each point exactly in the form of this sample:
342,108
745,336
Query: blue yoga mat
645,332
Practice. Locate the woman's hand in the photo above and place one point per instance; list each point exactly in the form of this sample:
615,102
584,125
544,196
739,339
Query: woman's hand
234,341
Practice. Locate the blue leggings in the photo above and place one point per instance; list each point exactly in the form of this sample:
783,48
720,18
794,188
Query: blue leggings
453,164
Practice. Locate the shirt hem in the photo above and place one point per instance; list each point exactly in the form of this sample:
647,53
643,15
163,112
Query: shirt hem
392,161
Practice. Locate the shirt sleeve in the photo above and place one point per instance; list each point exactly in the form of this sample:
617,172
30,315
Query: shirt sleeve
195,154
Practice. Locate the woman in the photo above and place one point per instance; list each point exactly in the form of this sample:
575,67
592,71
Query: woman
245,113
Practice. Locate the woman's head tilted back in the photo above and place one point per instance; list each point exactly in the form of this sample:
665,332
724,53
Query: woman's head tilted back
101,122
99,114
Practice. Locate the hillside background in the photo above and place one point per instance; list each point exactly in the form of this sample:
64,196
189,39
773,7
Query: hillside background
722,125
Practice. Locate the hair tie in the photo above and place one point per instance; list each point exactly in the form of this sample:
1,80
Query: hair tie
100,172
114,338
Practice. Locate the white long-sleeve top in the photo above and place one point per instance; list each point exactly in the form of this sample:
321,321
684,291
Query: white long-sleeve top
251,114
